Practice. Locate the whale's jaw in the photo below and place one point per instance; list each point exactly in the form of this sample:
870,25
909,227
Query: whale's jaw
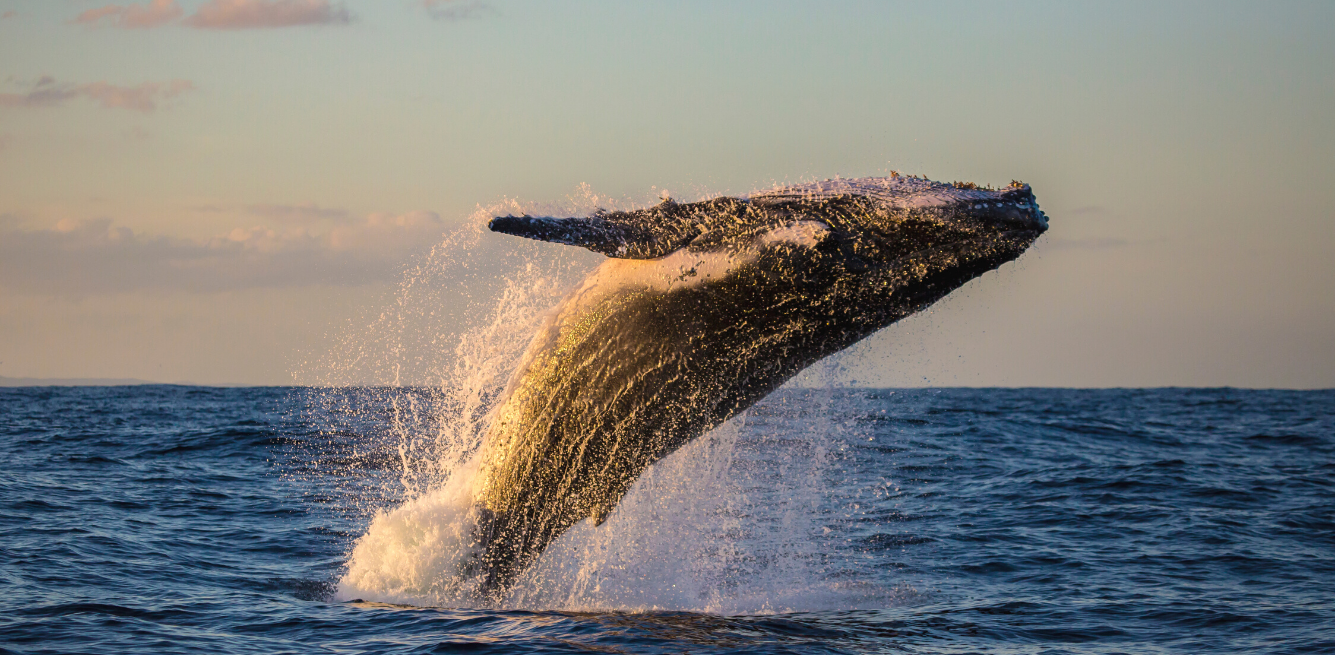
703,310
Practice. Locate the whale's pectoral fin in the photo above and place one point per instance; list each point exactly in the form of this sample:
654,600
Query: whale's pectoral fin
595,233
639,234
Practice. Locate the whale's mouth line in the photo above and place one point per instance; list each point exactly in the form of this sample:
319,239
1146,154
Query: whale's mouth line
975,247
971,257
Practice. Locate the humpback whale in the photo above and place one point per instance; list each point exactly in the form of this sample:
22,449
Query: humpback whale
701,310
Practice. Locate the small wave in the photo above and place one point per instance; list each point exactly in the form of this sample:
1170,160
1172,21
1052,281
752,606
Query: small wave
1288,439
106,609
892,541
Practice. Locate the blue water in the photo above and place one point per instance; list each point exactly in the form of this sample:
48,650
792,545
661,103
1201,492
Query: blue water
166,519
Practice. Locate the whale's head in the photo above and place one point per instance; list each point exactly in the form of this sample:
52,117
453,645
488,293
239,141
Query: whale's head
913,230
905,235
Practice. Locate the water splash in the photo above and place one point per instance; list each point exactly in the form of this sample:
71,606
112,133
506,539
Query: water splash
722,525
735,522
408,389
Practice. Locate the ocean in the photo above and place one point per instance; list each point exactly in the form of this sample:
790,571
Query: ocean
173,519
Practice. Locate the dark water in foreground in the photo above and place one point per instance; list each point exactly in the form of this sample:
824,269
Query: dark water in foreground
180,519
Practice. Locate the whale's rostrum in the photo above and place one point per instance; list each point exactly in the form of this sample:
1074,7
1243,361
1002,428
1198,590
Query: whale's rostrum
701,310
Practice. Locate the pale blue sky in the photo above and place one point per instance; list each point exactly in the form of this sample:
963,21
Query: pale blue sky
1183,152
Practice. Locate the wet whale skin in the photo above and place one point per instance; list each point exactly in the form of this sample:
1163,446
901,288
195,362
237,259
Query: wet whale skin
701,310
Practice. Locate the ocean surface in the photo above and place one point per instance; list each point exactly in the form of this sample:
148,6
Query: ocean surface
166,519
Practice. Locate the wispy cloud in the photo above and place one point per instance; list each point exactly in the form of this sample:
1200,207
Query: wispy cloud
43,93
299,214
250,14
455,9
155,13
95,256
303,213
141,98
46,92
220,14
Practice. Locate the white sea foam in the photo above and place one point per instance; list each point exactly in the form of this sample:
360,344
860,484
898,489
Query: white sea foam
411,555
695,533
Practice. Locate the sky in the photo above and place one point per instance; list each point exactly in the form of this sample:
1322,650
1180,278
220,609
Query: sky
212,190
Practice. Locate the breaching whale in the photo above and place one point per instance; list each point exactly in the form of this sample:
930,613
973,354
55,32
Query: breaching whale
701,310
